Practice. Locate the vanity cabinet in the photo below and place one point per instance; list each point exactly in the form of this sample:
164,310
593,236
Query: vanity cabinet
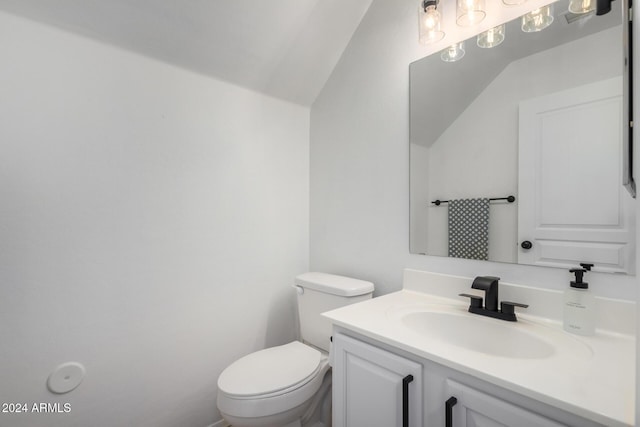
373,387
467,407
370,389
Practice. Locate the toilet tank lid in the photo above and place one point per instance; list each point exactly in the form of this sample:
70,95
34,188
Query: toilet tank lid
334,284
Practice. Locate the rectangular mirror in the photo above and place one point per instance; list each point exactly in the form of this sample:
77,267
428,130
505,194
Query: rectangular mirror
517,150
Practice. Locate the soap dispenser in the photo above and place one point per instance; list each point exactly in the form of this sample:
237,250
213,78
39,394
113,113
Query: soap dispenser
579,304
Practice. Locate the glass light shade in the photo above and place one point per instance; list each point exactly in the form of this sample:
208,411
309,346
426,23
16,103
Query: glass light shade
492,37
537,19
453,53
429,23
582,6
513,2
470,12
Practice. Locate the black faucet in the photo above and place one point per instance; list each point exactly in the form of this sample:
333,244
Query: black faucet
489,285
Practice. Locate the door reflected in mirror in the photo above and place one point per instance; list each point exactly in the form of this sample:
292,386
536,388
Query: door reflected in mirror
539,117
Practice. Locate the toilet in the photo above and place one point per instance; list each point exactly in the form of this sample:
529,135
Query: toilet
290,385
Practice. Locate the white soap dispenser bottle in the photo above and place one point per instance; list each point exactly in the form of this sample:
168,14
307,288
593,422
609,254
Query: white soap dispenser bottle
579,305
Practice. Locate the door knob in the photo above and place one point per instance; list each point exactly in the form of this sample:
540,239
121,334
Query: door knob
526,244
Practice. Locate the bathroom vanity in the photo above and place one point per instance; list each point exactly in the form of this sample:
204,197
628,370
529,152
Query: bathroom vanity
417,357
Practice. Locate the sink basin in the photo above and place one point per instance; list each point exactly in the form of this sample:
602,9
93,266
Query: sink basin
457,327
477,334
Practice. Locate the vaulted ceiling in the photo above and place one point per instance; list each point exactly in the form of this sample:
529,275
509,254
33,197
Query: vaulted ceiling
283,48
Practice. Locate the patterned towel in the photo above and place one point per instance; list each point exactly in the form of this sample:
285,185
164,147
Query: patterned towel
469,228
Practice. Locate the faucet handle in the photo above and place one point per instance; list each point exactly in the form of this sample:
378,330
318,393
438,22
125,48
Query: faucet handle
507,307
476,301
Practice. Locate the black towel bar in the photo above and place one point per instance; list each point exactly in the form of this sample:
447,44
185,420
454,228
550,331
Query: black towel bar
509,199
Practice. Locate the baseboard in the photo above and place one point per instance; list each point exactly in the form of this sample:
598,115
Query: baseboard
221,423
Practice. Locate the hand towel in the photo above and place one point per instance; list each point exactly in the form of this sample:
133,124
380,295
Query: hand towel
469,228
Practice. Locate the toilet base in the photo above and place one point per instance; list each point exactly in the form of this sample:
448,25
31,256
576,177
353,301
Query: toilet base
315,412
255,422
312,405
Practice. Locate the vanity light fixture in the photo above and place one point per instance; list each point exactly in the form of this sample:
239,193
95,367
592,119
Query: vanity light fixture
429,22
513,2
492,37
538,19
453,53
582,6
470,12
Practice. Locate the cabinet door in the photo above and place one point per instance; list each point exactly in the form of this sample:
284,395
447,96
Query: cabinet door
373,387
477,409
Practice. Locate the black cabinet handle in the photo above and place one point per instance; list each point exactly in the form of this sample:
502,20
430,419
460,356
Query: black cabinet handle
526,244
448,411
405,400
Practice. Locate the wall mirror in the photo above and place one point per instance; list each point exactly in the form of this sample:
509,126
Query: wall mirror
537,124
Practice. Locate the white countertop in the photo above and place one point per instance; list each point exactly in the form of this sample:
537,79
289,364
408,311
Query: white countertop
597,383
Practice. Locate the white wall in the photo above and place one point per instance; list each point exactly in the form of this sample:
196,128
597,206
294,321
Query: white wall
360,168
151,223
419,237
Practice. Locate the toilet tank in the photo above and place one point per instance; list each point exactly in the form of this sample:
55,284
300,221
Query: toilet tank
320,292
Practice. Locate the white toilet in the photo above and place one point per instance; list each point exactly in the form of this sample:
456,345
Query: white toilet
290,385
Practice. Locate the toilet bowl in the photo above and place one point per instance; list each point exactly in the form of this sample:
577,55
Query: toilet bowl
290,385
274,387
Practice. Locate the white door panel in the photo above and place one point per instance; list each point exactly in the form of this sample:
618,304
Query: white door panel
572,205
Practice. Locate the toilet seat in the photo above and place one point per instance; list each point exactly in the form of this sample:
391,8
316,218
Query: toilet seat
272,380
272,371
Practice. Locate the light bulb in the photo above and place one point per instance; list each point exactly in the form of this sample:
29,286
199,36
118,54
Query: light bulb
582,6
470,12
492,37
537,19
453,53
429,22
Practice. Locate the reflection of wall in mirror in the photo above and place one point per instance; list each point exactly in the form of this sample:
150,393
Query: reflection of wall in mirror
477,155
419,198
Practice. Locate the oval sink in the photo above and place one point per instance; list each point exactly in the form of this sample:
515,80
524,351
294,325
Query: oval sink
478,335
521,340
